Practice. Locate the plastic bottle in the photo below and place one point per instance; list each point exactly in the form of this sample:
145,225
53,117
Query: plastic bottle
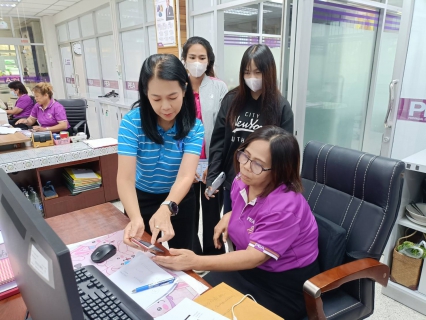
35,200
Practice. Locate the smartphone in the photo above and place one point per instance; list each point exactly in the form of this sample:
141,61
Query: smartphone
146,246
216,183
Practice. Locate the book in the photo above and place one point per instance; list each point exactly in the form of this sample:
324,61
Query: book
8,285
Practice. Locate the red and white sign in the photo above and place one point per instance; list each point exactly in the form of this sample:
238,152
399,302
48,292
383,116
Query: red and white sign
412,109
94,82
132,85
113,84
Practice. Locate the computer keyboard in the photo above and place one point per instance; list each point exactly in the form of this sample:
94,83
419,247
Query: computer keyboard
101,299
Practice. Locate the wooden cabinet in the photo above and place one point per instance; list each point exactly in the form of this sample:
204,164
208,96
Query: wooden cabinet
66,202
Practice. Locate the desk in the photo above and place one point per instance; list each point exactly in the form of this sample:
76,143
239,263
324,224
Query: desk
36,166
17,137
75,227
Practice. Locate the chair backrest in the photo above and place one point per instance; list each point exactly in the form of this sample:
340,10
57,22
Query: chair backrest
357,191
76,112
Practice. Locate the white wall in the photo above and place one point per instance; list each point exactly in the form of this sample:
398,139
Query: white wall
410,134
53,56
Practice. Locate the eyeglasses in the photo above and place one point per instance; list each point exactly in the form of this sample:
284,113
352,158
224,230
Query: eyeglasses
255,167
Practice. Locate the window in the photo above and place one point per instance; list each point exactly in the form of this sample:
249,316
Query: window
242,19
103,20
87,28
131,13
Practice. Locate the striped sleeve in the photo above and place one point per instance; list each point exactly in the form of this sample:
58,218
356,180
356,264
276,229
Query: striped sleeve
128,135
194,139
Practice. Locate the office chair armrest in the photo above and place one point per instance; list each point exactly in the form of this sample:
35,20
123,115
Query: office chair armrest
334,278
75,128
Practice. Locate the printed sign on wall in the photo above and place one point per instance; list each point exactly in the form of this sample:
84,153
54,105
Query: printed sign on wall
412,109
165,23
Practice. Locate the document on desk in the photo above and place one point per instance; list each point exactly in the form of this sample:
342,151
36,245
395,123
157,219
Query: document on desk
4,130
100,143
190,310
140,271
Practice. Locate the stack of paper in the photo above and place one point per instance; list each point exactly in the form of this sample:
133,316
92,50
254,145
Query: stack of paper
79,180
100,143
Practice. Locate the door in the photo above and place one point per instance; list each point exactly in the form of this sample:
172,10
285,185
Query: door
342,96
93,119
68,70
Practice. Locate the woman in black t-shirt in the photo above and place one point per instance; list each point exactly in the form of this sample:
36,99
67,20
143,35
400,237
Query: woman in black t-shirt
256,102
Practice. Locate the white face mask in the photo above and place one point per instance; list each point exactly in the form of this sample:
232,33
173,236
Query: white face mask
196,69
12,93
253,83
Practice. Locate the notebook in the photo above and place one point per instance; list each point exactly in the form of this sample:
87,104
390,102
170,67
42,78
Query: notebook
8,285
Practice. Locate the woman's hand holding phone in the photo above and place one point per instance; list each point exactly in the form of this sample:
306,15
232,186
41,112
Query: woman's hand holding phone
135,228
160,221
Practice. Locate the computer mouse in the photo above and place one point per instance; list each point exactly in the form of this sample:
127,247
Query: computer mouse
103,252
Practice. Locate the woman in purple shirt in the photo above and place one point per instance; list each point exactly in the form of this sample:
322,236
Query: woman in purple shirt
24,104
49,113
271,226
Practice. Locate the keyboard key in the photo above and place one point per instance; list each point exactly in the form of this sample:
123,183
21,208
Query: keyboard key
101,304
90,285
108,311
99,311
88,275
113,298
108,294
92,305
84,305
120,313
112,315
99,285
104,290
105,308
101,295
116,310
109,303
103,315
95,308
93,296
116,318
125,317
83,278
98,301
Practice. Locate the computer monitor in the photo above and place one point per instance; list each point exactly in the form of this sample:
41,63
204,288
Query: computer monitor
40,260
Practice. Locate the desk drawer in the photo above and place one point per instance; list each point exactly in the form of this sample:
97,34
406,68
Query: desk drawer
68,203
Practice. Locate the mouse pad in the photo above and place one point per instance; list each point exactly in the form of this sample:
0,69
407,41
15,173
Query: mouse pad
81,252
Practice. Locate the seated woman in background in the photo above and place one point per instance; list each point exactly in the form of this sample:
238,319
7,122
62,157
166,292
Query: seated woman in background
271,225
49,113
23,105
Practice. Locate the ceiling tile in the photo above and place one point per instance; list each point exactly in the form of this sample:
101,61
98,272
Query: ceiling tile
49,2
65,3
31,6
55,7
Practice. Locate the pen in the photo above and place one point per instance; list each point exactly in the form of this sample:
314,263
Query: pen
153,285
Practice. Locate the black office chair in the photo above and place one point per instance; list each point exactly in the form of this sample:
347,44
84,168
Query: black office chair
355,198
76,115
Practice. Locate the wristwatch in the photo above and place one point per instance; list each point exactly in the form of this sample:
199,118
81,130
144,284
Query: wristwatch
173,207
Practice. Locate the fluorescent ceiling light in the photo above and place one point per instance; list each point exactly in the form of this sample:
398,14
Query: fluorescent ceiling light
245,11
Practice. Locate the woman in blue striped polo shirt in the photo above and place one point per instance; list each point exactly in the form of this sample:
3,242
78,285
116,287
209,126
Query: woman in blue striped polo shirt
159,145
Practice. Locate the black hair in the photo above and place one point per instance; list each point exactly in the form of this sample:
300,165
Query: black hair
210,54
165,67
270,98
285,158
18,85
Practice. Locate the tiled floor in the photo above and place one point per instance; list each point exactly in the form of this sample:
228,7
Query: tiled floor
385,308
